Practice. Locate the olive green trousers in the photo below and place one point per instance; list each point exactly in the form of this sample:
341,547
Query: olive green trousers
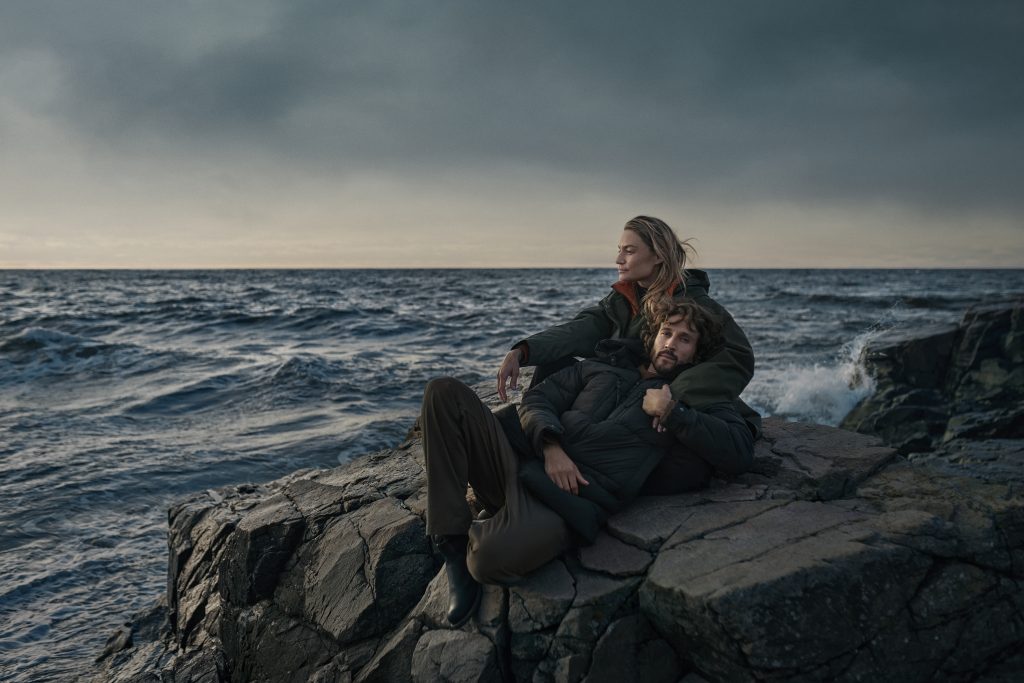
464,444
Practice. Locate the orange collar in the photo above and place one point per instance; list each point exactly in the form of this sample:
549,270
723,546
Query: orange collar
628,290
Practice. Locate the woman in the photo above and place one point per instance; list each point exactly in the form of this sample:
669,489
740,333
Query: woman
652,267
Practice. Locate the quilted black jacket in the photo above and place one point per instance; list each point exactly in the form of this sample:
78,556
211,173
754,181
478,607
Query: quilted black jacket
594,409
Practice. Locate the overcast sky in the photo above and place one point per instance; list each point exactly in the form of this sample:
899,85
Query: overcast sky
146,133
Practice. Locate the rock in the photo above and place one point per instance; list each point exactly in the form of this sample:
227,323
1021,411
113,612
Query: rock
612,556
631,650
454,656
542,599
120,640
394,659
917,357
376,559
536,607
832,559
813,464
940,383
782,596
992,460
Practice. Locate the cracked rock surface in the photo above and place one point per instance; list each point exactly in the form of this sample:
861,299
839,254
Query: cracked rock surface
833,559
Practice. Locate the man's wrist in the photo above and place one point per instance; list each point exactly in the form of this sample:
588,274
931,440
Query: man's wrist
669,407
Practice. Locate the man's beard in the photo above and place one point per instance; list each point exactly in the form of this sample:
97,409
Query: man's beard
665,362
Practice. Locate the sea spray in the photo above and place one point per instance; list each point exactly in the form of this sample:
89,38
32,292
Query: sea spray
826,393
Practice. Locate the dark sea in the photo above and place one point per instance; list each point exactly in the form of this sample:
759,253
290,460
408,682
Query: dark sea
123,391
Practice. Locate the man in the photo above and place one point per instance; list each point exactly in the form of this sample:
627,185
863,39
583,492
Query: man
583,444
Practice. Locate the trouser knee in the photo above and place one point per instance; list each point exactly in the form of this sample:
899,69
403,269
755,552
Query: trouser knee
489,563
442,390
509,555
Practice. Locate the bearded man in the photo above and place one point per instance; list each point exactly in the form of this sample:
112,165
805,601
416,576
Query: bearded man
581,446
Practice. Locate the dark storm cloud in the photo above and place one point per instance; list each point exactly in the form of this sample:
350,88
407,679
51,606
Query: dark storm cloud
920,103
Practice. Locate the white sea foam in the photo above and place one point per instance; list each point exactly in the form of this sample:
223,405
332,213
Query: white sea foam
826,393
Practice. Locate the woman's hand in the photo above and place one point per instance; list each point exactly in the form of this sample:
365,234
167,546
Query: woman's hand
562,469
509,370
658,404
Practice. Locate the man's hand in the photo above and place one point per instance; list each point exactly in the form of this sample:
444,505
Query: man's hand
658,404
509,370
562,469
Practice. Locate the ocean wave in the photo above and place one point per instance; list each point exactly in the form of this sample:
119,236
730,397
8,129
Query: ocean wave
37,352
210,393
306,371
304,319
35,338
315,317
263,387
874,299
824,392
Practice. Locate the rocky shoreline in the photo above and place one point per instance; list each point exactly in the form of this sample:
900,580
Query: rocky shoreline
835,558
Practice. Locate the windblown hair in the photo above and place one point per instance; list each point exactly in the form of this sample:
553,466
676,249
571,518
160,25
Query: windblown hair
672,251
705,323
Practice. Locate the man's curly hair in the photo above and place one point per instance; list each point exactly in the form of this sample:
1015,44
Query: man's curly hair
705,323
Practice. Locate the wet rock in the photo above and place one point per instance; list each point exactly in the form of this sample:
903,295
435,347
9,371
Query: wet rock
120,640
918,357
934,385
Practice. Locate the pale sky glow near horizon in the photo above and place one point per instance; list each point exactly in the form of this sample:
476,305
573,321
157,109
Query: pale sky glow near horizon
273,133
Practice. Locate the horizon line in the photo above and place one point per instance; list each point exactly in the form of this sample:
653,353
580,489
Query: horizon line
338,268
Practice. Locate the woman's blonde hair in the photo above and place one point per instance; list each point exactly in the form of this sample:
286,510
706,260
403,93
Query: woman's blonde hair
672,251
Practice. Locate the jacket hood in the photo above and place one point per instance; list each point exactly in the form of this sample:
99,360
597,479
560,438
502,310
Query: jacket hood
622,353
697,279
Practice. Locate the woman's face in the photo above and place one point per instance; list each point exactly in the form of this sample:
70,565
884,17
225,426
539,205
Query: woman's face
636,261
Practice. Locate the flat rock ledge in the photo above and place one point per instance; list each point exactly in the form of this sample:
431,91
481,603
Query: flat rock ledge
835,559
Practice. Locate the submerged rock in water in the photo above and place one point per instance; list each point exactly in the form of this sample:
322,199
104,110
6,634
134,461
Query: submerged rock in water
832,559
936,384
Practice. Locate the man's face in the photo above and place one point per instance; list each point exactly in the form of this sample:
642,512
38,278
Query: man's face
674,345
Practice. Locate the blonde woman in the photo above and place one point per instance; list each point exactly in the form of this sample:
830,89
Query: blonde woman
652,269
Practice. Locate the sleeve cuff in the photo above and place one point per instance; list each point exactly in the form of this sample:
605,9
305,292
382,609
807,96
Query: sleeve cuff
677,417
524,349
